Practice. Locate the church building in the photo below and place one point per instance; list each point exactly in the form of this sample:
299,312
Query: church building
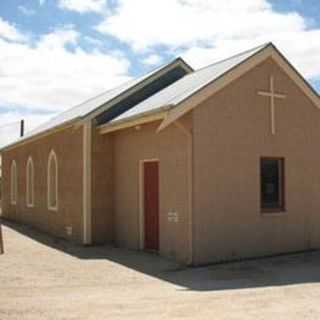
201,166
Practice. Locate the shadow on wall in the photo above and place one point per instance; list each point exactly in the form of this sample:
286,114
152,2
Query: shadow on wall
1,240
276,271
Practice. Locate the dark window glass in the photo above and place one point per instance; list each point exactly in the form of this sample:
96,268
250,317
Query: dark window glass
272,184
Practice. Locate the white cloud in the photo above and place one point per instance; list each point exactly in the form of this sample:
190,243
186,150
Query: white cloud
205,30
44,77
10,32
93,41
153,59
83,6
26,11
42,2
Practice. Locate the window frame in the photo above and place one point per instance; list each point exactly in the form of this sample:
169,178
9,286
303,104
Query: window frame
282,182
30,163
13,183
52,157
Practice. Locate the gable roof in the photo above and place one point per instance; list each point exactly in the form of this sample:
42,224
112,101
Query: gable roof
172,101
185,87
97,105
175,100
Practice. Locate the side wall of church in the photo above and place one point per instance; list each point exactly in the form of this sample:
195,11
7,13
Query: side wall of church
102,188
66,221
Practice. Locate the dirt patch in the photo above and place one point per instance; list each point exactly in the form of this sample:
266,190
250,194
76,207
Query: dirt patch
45,278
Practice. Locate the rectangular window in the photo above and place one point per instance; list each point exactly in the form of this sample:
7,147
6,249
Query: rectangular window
272,184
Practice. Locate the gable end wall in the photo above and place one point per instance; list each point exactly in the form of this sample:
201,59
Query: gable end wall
232,131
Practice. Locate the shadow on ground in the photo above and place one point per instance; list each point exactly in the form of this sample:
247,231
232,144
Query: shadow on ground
283,270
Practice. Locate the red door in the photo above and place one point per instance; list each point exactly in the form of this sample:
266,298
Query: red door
151,205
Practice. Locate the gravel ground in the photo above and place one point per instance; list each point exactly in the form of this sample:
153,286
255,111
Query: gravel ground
43,278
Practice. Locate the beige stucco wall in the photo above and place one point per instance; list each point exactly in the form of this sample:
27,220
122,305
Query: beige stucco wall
130,147
102,188
68,147
232,131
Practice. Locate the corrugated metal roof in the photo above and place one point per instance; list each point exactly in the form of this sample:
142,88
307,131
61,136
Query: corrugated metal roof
90,105
188,85
84,109
170,96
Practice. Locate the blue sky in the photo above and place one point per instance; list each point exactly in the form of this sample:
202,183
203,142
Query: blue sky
56,53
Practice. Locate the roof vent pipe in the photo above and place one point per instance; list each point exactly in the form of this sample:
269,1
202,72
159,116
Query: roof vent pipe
22,128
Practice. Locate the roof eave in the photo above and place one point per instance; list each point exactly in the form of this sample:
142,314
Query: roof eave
136,120
28,139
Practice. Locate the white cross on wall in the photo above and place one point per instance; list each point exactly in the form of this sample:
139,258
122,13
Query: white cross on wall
272,95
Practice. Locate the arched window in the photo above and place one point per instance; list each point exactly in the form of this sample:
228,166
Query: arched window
14,183
52,181
30,183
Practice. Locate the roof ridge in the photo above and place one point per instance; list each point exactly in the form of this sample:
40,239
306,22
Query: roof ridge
246,55
260,47
143,77
154,70
235,55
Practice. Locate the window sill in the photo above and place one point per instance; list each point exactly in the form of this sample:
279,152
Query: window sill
53,209
274,213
